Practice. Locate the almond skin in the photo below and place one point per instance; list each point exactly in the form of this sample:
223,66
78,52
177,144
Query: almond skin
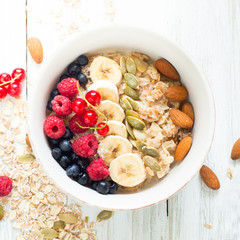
167,69
176,94
236,150
183,148
209,178
180,119
35,48
188,109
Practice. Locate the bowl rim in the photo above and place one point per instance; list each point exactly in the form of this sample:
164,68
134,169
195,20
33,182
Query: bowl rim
65,44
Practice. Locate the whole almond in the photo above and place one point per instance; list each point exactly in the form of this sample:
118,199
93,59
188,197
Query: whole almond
180,119
176,94
35,48
209,178
167,69
236,150
188,109
182,148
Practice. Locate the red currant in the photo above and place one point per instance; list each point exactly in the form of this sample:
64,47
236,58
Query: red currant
3,92
79,106
90,118
5,77
102,131
21,72
15,89
93,97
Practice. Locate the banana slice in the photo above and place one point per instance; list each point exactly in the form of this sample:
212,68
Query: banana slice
128,170
117,128
103,68
112,147
107,90
111,110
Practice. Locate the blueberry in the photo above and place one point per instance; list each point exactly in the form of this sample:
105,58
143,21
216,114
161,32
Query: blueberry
54,142
82,79
103,187
56,153
113,187
49,105
64,76
54,93
68,134
65,161
73,155
73,171
74,69
94,185
82,163
65,145
83,178
83,60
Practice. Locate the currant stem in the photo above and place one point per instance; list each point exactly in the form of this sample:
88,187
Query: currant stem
10,81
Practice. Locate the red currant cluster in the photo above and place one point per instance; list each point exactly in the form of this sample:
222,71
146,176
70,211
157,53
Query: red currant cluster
12,84
90,117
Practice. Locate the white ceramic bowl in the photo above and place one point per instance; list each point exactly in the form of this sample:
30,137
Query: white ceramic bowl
155,45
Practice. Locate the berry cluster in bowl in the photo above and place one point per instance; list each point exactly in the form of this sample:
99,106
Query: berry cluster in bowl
117,121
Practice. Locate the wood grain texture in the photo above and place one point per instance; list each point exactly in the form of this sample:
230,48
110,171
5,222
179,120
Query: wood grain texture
210,31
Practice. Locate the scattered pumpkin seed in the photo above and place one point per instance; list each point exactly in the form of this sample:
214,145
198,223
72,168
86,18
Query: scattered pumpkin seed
1,212
132,141
130,65
135,122
104,215
86,219
26,158
68,218
49,233
152,163
129,129
132,113
131,93
125,104
131,80
141,65
151,151
132,102
123,65
140,144
139,134
59,225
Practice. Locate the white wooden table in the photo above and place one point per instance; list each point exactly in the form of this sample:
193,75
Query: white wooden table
210,31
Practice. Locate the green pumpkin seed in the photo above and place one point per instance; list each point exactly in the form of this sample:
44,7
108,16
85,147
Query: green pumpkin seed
140,144
1,212
141,65
86,219
152,163
129,130
132,141
104,215
59,225
26,158
135,122
49,233
123,65
151,151
131,80
132,102
130,65
125,104
68,218
131,93
139,134
132,113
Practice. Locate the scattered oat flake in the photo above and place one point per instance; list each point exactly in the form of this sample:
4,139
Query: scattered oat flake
230,173
207,225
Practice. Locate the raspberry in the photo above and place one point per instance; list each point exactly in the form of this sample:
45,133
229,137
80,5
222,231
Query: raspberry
97,170
85,146
74,127
61,105
68,87
5,185
54,127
